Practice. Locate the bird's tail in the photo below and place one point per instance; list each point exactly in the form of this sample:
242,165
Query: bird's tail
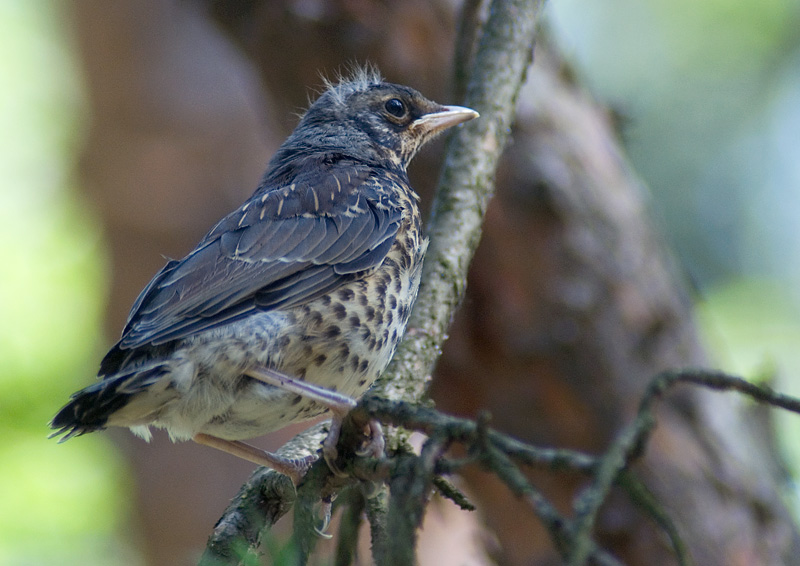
89,409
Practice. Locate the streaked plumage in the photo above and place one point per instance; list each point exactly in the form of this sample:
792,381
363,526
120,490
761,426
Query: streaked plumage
314,276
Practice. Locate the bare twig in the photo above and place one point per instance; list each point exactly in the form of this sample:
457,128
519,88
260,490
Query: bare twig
348,529
451,492
410,489
634,437
377,509
643,498
572,538
413,476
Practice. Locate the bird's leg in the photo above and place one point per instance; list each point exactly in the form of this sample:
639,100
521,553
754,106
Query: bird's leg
337,403
295,468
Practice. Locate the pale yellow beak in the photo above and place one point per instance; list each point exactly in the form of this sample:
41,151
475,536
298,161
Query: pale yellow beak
447,117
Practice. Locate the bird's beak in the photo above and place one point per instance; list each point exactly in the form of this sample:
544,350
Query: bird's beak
445,118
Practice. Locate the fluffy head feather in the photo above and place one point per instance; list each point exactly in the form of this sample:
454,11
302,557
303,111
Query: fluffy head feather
357,78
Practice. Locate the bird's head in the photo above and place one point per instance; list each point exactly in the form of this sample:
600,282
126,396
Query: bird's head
372,121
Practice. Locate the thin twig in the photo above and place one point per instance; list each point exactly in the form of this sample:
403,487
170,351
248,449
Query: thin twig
451,492
410,490
644,498
634,438
377,508
588,502
352,517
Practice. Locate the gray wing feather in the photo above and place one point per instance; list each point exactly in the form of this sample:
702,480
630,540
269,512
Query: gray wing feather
283,247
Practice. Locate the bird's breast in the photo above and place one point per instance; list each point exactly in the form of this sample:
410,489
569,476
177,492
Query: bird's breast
345,339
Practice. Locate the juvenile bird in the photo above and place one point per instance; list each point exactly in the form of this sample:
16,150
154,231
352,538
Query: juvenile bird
294,303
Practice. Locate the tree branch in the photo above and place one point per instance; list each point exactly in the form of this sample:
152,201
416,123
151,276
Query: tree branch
504,53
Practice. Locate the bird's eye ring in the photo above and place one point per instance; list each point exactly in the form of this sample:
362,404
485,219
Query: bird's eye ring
395,107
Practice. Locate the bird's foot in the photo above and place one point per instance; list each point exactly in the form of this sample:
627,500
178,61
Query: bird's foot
372,446
375,442
329,450
337,403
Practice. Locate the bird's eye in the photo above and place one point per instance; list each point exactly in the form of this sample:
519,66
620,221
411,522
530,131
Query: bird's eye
395,107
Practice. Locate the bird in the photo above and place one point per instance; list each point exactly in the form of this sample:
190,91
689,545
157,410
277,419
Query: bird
293,304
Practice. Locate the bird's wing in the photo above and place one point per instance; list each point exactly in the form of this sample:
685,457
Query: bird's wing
283,247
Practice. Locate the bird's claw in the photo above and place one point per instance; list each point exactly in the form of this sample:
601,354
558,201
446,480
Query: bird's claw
330,459
329,450
372,447
326,507
375,443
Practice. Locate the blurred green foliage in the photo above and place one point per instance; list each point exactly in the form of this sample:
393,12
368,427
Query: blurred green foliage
58,504
697,85
709,92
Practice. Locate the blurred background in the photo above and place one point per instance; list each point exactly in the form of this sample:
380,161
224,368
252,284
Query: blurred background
706,96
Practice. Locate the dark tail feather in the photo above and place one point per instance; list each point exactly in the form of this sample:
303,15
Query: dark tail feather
89,409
